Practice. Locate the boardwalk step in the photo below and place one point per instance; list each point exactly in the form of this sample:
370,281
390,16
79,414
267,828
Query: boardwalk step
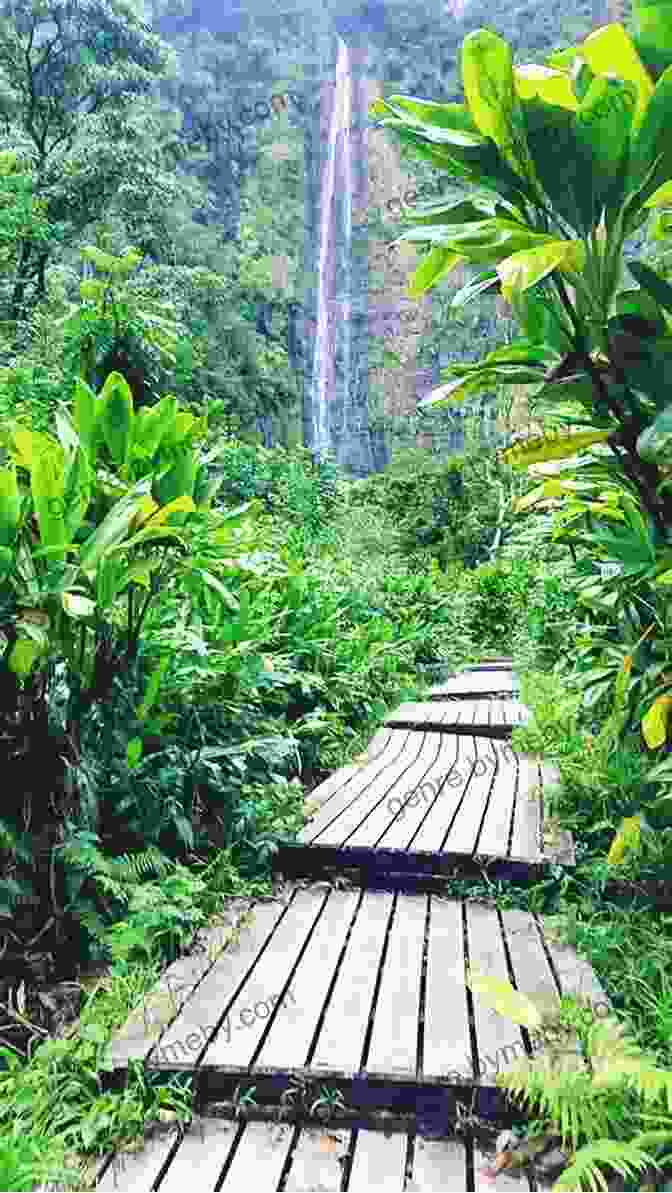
354,990
474,684
423,793
267,1156
488,718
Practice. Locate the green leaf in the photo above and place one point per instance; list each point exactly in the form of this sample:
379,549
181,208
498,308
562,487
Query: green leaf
484,242
485,280
522,270
76,605
653,33
536,313
652,137
553,86
47,488
134,752
116,418
178,481
602,124
489,89
85,413
10,506
639,302
611,51
655,442
77,492
113,528
652,282
437,264
563,164
23,656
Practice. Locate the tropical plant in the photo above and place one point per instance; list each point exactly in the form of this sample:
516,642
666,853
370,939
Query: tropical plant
569,160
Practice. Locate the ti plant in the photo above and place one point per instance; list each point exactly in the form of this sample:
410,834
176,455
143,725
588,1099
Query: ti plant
567,161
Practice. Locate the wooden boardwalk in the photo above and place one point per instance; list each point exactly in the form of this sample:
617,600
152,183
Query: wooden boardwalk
364,990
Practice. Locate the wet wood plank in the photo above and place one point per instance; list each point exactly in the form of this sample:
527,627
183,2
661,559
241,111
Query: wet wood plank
291,1034
497,1038
394,1042
408,809
477,683
341,1040
487,718
438,1165
465,829
445,994
435,829
387,770
378,1162
525,841
259,1159
205,1149
364,822
236,1048
199,1016
316,1162
502,806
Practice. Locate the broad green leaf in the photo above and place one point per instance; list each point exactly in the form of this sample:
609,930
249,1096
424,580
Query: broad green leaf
654,724
651,138
77,492
116,418
23,656
611,51
178,481
26,446
483,281
537,314
652,282
428,112
85,413
603,123
10,506
662,197
7,560
153,686
66,432
183,504
47,485
553,86
76,605
628,838
639,302
550,488
134,752
227,598
438,263
522,270
541,449
113,528
485,242
563,164
652,25
503,998
487,78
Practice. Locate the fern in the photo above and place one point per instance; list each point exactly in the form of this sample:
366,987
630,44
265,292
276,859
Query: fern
626,1158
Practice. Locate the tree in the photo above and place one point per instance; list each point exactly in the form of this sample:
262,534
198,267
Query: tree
70,74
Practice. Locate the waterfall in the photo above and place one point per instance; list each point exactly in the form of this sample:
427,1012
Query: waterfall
340,122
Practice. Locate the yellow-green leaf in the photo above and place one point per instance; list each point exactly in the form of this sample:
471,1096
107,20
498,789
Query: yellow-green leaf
10,506
654,724
487,78
183,504
23,656
501,996
438,263
627,838
550,488
662,197
611,51
553,86
27,445
522,270
543,448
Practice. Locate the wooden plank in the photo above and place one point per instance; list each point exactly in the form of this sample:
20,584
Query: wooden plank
138,1172
288,1043
494,837
259,1158
381,745
424,712
525,841
341,1040
465,829
446,1052
385,771
394,1041
179,1047
477,682
316,1162
235,1047
177,984
530,965
574,973
515,712
365,822
204,1149
496,1037
378,1162
410,809
438,1165
432,832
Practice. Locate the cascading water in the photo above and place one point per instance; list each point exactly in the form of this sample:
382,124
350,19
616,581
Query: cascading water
340,123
